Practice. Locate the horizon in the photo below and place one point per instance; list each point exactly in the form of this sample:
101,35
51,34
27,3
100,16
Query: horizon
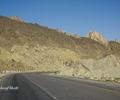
79,17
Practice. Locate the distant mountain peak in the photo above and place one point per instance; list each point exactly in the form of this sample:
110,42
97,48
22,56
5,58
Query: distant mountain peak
98,37
16,18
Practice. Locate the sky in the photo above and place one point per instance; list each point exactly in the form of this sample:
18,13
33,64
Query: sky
75,16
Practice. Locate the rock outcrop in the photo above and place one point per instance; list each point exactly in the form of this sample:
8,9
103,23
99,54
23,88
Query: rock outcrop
16,18
98,37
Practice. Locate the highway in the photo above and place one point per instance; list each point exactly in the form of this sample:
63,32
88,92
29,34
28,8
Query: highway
40,86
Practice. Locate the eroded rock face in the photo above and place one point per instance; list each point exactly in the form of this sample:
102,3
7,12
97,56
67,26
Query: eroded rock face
16,18
67,62
103,69
98,37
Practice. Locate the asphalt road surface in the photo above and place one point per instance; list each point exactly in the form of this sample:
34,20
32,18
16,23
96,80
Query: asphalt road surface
40,86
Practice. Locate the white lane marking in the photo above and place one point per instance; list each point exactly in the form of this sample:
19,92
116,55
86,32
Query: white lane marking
43,89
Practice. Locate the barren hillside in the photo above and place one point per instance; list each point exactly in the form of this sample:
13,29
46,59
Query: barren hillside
26,46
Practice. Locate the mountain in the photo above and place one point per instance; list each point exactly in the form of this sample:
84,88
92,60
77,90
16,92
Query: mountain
27,46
